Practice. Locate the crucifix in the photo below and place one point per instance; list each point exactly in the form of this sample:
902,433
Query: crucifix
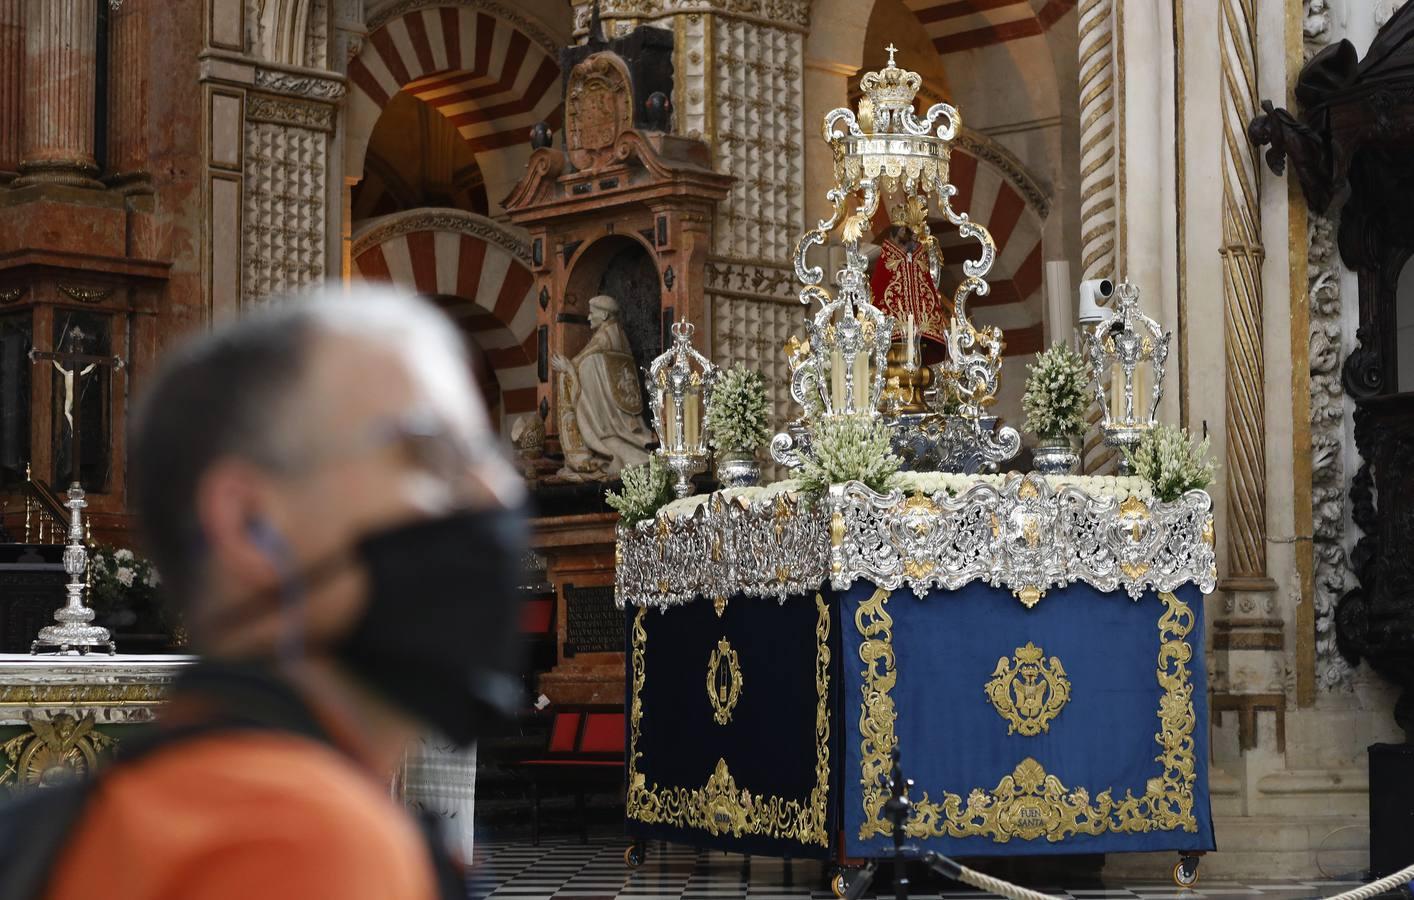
73,377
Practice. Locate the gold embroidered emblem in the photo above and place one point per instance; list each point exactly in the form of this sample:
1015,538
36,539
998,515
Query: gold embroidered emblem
1028,691
623,382
723,681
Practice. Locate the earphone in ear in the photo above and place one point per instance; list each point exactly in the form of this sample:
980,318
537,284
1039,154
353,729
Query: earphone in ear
270,542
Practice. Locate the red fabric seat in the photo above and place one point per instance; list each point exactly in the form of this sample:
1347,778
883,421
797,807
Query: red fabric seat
583,740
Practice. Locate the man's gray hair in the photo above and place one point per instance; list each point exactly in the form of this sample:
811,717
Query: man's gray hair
231,393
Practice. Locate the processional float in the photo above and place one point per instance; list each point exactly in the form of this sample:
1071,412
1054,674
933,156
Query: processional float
1031,643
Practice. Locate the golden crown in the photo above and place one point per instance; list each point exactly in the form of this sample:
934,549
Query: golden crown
891,88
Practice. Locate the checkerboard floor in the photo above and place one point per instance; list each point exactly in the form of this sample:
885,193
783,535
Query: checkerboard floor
563,868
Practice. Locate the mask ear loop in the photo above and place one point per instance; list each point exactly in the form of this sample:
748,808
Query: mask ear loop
291,590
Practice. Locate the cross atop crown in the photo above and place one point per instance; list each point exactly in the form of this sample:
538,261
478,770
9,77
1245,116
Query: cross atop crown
890,90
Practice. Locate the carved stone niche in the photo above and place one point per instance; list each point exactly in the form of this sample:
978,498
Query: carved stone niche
1352,142
621,208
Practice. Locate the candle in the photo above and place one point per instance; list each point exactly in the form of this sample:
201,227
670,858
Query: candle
692,420
670,421
1117,405
1141,394
911,343
837,380
861,381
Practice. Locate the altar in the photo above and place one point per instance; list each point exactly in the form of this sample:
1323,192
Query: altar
1032,646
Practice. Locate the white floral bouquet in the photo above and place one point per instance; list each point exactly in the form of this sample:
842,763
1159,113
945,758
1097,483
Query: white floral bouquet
848,448
122,580
646,489
1055,397
1171,461
737,416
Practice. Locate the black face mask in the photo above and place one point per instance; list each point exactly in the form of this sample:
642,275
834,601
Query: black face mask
439,636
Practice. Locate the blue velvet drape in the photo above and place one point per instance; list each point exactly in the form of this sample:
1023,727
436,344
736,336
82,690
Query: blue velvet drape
947,646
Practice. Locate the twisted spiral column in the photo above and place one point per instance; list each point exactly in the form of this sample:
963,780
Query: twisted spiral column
1246,468
1098,176
1248,641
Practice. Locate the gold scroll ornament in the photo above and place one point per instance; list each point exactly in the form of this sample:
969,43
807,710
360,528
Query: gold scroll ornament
1031,803
1028,690
721,806
723,687
54,751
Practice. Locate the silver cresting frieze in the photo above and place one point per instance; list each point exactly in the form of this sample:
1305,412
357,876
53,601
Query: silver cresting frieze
1025,535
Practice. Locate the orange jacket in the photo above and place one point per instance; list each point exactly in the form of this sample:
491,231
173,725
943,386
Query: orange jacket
251,815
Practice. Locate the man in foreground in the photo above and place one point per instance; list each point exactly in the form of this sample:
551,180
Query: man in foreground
320,488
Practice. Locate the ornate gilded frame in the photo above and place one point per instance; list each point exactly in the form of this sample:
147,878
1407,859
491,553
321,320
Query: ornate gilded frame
720,806
1031,803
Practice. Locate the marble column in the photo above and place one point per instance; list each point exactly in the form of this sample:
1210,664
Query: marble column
127,93
12,56
60,73
1098,181
1248,639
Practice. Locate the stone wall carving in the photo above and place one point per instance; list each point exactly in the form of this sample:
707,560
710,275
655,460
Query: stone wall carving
299,85
758,129
623,15
1328,481
754,313
506,237
286,171
316,38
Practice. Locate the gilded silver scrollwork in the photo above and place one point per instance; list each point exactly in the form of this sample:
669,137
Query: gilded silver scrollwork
1026,535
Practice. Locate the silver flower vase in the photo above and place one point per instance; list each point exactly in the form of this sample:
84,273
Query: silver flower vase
738,468
1055,456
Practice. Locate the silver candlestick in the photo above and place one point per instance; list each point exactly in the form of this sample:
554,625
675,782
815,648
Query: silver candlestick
75,630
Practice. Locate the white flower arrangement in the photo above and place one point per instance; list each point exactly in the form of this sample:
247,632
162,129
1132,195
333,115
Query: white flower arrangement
1171,461
954,484
646,489
737,417
922,483
848,448
1055,397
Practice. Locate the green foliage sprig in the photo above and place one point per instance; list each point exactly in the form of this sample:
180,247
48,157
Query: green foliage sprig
1171,461
737,416
1055,397
647,489
848,448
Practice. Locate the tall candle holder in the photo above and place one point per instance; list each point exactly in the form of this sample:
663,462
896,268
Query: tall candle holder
74,630
1126,352
682,380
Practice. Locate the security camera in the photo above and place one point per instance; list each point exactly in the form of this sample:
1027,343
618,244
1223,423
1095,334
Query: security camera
1091,293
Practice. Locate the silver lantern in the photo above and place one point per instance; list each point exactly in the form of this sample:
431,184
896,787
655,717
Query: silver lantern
681,382
1126,352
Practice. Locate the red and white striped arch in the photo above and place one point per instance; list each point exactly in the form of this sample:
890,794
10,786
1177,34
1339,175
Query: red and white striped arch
477,271
956,25
1015,302
491,80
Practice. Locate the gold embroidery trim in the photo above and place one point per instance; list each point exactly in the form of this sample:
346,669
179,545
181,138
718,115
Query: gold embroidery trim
1031,803
1028,690
723,688
721,806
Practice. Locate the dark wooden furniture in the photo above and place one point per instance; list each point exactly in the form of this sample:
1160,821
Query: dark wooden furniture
586,749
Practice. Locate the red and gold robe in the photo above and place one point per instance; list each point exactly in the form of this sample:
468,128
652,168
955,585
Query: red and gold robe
902,286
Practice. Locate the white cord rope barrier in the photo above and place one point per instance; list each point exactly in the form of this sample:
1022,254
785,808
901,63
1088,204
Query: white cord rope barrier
1389,882
998,886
